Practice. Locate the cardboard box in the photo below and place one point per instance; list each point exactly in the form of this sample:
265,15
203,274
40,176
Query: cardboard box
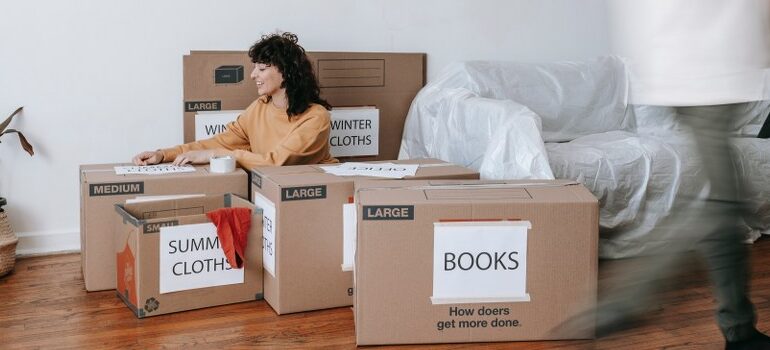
169,258
386,81
101,189
303,233
440,262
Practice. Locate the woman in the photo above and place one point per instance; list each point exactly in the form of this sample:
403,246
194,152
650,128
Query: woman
288,124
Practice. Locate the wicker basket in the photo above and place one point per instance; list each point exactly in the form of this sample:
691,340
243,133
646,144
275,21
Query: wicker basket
8,242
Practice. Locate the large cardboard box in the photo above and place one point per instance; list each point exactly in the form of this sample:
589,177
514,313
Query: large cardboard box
101,189
387,82
169,258
440,262
303,232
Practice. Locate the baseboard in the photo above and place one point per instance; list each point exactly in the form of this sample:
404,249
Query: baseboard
48,242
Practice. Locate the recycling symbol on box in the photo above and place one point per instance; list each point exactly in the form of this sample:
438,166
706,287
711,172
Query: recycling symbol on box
151,305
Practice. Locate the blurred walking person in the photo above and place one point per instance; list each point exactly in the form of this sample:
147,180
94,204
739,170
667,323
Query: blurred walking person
707,58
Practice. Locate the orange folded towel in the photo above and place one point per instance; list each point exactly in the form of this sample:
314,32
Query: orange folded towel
233,226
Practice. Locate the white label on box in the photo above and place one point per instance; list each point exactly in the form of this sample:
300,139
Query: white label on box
480,262
386,170
210,123
348,236
191,257
157,169
269,227
355,132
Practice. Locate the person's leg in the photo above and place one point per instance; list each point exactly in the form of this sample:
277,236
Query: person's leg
707,225
717,223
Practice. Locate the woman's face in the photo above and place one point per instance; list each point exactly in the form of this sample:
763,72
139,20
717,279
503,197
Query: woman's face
268,79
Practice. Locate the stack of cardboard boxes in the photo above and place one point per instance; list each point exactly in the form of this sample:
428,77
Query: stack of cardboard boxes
123,251
436,257
101,188
372,104
303,234
370,92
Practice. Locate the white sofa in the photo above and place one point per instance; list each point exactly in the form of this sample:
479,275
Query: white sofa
570,120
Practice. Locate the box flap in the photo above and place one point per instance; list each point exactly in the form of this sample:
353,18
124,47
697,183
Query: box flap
477,193
471,191
182,207
302,174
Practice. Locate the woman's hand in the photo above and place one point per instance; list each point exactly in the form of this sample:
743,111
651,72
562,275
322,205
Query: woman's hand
148,158
194,157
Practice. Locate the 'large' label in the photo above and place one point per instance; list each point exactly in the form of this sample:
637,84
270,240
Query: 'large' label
480,262
388,212
196,106
302,193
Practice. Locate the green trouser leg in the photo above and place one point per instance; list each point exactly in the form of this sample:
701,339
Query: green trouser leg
707,225
716,219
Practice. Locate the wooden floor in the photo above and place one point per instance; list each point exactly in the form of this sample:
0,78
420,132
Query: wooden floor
43,305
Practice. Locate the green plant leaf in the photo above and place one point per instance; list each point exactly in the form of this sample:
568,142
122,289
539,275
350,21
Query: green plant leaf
23,140
8,120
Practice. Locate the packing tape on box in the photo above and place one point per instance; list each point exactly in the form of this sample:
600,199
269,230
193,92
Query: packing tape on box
223,164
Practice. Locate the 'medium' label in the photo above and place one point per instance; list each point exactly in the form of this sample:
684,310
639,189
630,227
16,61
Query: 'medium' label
388,212
302,193
116,189
480,262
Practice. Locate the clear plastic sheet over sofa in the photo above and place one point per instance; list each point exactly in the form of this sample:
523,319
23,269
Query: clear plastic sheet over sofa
457,126
494,117
638,177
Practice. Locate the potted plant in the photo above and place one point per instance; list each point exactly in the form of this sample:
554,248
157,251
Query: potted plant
8,239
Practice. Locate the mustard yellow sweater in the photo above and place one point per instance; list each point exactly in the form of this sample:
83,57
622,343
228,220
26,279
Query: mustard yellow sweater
264,135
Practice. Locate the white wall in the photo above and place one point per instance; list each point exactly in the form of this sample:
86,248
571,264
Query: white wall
102,79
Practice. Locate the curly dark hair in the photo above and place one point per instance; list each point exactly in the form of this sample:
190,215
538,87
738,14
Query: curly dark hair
282,51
